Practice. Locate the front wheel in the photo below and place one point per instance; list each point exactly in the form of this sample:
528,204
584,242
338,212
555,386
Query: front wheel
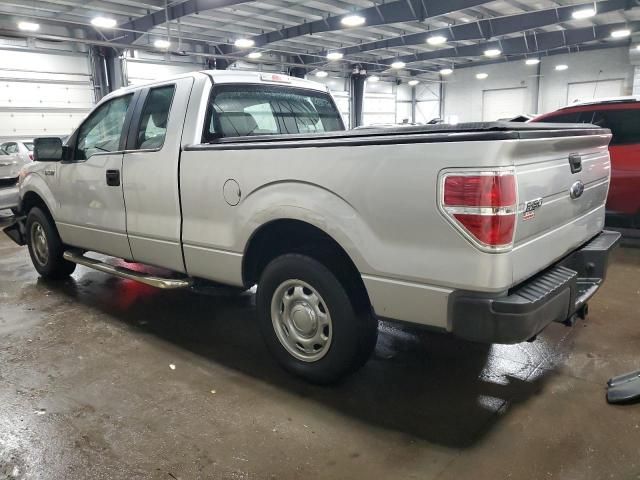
45,246
309,321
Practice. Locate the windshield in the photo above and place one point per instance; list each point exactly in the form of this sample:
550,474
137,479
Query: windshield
247,110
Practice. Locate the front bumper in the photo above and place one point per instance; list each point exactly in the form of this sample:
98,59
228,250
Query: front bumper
555,294
9,197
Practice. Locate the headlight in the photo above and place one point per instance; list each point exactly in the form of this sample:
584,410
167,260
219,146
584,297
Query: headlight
22,175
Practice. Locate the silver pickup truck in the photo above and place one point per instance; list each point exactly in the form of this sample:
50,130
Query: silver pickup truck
488,231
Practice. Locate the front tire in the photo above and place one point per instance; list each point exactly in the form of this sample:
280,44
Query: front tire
309,321
45,246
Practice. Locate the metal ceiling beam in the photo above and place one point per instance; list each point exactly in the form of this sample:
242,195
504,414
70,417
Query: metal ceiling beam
382,14
173,12
529,43
521,57
488,28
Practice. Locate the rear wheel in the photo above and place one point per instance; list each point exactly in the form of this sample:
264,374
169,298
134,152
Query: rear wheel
45,246
309,321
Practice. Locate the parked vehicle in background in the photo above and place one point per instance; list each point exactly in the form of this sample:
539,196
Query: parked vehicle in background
22,149
9,170
488,231
622,117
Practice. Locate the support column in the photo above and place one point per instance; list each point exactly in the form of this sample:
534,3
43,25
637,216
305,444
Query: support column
634,57
356,99
107,71
297,72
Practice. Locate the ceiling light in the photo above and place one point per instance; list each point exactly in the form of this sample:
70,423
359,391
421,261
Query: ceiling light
373,78
398,65
164,44
492,52
437,40
446,71
28,26
620,33
353,20
103,22
466,20
254,55
244,43
532,61
481,76
334,55
562,67
321,74
413,83
584,13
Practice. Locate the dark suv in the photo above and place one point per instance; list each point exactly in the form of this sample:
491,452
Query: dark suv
622,116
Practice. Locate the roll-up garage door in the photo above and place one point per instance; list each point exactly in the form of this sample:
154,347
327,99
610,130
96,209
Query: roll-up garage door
43,94
503,103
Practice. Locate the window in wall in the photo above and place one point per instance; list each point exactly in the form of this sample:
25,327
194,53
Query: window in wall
247,110
101,132
155,115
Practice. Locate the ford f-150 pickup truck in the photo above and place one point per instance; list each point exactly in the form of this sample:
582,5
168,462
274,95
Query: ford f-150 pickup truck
489,231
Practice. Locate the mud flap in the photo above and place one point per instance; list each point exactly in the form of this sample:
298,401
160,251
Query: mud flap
16,231
624,389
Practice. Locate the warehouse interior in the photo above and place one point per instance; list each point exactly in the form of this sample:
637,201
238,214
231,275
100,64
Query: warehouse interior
102,377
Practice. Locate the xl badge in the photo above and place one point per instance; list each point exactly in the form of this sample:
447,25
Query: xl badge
530,208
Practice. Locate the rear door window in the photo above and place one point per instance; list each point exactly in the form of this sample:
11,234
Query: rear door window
572,117
251,110
624,125
10,148
155,115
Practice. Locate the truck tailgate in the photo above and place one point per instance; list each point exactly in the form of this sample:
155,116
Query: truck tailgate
560,207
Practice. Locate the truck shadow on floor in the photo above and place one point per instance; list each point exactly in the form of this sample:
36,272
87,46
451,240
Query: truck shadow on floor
425,385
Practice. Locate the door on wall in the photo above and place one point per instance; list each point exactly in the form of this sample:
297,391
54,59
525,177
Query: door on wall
503,103
585,91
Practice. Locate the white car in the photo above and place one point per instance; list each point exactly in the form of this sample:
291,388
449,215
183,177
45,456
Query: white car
21,149
488,231
10,165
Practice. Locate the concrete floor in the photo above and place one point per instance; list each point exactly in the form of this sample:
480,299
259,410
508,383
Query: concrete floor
86,391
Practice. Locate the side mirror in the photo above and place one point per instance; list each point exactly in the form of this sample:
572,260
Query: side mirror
47,149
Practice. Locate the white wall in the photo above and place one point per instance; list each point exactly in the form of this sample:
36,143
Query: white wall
597,65
147,67
464,94
463,97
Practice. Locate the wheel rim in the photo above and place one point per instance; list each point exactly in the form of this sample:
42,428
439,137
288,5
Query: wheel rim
301,320
39,244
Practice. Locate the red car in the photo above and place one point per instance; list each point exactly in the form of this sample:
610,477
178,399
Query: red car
622,117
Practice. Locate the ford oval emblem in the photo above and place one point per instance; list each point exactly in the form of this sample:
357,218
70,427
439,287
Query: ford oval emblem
576,190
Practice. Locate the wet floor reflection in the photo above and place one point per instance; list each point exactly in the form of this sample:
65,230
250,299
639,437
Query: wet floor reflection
424,384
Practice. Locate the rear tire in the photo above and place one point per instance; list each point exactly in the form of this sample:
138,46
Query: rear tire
309,322
45,246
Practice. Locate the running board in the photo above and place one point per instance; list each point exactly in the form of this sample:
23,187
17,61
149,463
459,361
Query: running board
158,282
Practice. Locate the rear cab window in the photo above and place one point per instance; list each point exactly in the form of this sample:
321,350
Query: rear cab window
624,122
242,110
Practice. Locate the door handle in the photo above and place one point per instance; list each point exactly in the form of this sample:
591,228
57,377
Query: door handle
113,178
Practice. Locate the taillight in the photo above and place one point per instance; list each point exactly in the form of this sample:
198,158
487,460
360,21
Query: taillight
31,156
483,206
